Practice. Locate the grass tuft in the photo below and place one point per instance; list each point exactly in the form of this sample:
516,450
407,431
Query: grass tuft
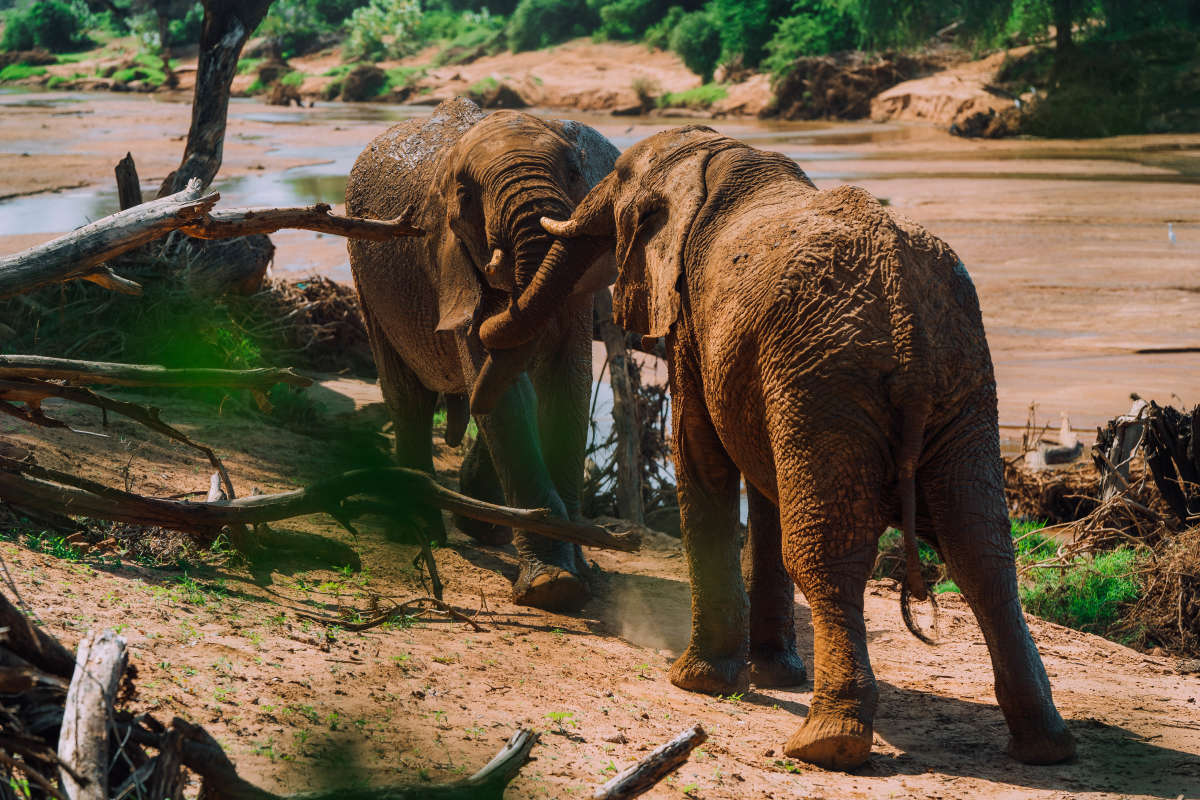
700,98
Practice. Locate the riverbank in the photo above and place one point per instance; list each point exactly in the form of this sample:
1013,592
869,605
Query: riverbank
1084,294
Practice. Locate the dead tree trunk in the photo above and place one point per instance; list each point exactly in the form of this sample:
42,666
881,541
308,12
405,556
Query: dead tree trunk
624,413
227,25
83,738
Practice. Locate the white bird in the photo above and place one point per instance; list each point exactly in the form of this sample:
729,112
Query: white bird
1171,233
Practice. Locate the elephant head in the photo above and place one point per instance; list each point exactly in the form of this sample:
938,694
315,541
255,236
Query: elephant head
497,182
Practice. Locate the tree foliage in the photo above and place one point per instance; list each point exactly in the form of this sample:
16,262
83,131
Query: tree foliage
54,25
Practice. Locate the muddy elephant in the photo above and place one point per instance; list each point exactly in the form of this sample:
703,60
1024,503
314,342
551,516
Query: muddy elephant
832,355
478,185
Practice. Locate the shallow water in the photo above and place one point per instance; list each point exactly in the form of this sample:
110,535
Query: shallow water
1067,241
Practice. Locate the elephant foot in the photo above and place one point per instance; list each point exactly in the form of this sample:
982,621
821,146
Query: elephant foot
1048,747
483,532
549,588
830,742
776,668
710,676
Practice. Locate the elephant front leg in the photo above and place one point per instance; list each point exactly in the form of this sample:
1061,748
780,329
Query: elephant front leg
773,657
548,577
715,659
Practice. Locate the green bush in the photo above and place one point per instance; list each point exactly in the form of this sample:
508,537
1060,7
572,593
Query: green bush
50,24
186,30
698,42
1090,595
745,26
383,28
17,72
700,98
626,19
541,23
817,27
659,34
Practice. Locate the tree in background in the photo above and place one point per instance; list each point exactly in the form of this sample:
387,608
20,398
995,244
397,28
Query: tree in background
53,25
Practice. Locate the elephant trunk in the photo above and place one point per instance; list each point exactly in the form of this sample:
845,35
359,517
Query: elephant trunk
544,294
579,241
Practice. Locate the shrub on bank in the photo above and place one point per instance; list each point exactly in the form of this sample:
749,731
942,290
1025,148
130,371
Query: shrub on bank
700,98
49,24
697,41
1148,82
541,23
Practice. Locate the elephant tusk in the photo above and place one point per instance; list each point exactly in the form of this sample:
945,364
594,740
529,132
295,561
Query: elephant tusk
565,228
493,266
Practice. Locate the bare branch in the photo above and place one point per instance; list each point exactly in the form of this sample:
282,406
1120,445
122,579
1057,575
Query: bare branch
402,490
89,373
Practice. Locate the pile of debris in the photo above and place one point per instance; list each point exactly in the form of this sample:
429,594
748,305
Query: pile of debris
840,86
1141,491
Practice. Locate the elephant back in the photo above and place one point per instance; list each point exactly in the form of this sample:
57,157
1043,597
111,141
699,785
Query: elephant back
397,168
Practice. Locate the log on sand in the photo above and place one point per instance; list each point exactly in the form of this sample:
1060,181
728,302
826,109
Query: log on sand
79,254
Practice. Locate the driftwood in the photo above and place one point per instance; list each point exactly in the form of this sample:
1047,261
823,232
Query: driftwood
79,254
395,488
624,414
129,186
642,776
1115,447
83,738
92,373
105,752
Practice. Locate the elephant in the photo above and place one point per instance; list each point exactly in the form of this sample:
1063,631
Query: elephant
477,184
832,355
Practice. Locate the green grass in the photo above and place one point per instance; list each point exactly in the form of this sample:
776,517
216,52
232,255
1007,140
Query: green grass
56,81
248,65
151,75
400,77
1089,594
483,86
293,78
72,58
700,98
340,71
17,72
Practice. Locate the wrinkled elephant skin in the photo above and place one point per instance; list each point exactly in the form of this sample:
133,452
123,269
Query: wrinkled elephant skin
832,354
478,185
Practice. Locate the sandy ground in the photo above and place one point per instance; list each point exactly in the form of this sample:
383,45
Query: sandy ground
299,706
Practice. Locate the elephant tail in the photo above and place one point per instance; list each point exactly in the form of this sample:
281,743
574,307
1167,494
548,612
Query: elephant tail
911,439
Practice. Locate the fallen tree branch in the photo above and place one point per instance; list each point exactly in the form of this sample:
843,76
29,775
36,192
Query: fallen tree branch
80,254
397,610
33,392
642,776
398,488
231,223
76,254
89,373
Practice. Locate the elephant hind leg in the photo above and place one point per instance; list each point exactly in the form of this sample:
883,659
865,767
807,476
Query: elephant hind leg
965,494
773,657
410,404
831,516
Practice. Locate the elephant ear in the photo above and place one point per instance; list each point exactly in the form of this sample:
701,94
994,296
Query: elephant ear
459,293
652,229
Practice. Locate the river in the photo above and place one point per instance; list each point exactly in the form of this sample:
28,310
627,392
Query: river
1086,254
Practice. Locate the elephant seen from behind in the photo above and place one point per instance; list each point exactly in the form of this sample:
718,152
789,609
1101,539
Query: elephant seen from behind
832,355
